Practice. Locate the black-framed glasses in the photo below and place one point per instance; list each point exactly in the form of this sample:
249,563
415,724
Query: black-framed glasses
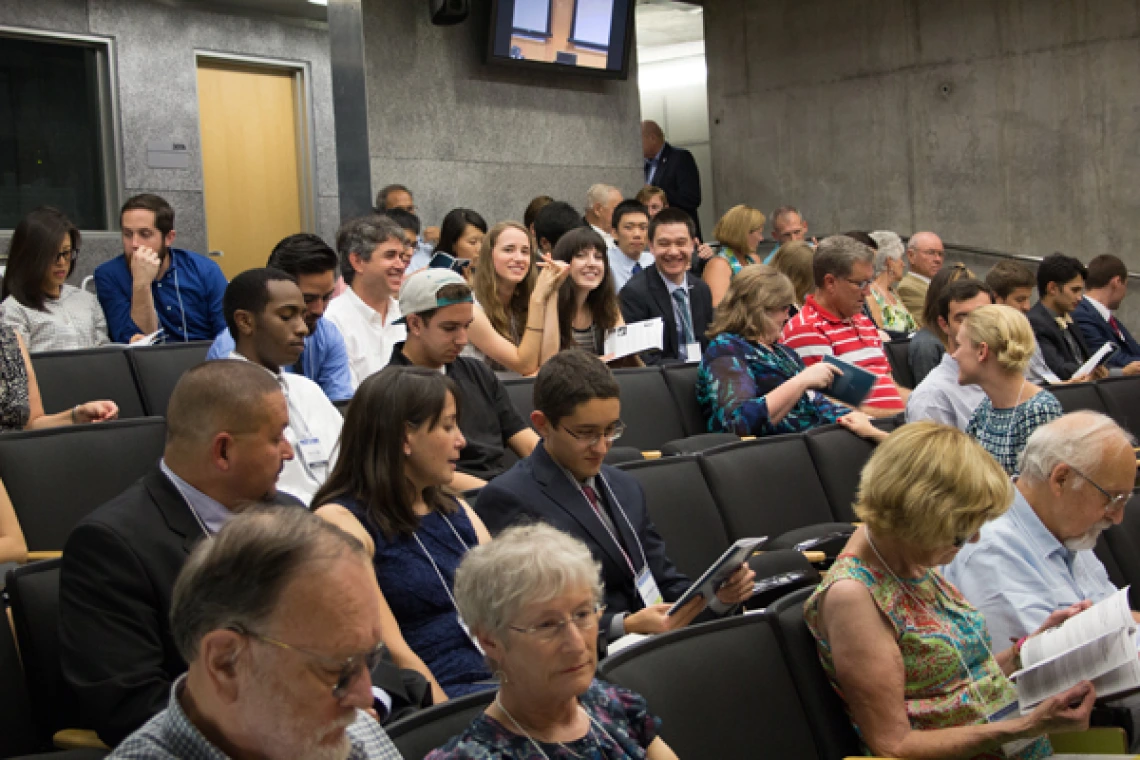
1115,503
583,620
69,255
346,670
609,435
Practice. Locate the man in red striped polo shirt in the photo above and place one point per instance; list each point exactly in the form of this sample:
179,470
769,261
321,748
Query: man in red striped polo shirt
832,321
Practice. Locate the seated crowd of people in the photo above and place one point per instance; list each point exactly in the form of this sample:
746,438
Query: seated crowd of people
288,577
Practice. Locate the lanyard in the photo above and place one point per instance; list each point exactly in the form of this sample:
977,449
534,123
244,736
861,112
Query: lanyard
617,508
435,567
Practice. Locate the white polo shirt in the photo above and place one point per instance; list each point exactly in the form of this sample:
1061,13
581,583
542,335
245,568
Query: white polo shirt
368,337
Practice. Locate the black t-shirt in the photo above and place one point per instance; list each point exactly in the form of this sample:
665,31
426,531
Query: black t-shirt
486,416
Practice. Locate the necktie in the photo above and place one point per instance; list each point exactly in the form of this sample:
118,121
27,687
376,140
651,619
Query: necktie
636,268
592,497
648,169
1115,327
681,296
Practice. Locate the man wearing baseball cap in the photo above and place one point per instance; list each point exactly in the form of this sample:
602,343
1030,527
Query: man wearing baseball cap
438,308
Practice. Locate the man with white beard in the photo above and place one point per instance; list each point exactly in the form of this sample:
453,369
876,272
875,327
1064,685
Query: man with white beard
1077,474
278,617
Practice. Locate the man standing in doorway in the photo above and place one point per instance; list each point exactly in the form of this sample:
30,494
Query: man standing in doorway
672,169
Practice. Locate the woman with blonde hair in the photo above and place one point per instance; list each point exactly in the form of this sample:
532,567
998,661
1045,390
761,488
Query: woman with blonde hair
515,323
749,384
794,259
739,231
995,344
911,659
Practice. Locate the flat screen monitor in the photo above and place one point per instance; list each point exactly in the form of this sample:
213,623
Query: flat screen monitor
591,37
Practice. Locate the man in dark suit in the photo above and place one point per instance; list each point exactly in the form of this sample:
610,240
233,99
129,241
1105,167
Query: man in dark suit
674,170
1060,283
669,291
1105,288
224,449
564,483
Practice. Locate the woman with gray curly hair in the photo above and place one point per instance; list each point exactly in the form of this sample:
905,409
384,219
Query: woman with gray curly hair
887,309
532,598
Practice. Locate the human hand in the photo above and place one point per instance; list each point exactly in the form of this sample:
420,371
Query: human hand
1131,369
145,264
551,275
96,411
1065,712
859,424
738,588
656,619
819,375
1100,373
1056,617
704,250
1078,379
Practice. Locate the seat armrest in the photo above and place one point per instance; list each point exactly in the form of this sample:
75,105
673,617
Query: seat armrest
39,556
77,738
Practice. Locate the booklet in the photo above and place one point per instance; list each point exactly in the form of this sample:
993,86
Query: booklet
853,386
1097,359
1097,645
634,338
720,570
152,339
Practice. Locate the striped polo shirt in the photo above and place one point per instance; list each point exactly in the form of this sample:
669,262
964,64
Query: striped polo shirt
815,333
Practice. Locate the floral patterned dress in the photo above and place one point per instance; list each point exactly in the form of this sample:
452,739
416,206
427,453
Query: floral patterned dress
937,633
14,403
622,727
896,318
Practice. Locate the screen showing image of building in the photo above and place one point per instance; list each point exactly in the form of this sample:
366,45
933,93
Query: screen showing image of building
584,33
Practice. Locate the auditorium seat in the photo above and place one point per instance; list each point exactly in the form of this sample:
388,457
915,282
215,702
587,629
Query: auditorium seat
67,378
898,354
521,392
1121,396
421,732
838,456
1078,397
56,477
17,734
157,369
769,487
697,443
682,382
1124,542
721,689
683,511
647,408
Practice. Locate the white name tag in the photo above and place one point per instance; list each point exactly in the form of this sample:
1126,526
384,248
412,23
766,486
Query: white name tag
312,452
647,588
692,352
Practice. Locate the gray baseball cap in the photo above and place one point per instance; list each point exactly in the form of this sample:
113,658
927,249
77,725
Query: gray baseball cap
418,293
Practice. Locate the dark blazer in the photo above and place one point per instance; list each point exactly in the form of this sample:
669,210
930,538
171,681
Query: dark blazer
1054,348
1096,331
119,565
645,297
677,174
538,489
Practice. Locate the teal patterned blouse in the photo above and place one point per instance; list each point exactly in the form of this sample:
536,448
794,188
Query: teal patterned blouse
736,375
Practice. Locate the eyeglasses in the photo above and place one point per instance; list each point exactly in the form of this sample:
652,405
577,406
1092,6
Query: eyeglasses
861,284
1115,503
583,620
70,255
346,670
610,435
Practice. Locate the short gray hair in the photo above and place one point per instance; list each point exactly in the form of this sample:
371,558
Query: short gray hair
599,193
361,236
1077,439
836,255
523,565
890,247
236,578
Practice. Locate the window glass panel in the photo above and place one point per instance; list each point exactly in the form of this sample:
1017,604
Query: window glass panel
532,16
592,20
51,145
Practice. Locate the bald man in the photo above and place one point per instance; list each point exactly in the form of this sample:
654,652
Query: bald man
672,169
601,200
924,253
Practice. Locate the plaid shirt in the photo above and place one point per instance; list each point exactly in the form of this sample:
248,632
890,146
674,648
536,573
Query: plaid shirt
170,734
72,321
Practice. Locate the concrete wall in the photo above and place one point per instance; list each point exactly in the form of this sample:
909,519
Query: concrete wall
462,133
157,83
1007,124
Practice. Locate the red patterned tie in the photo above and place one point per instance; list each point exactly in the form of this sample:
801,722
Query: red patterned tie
592,497
1115,327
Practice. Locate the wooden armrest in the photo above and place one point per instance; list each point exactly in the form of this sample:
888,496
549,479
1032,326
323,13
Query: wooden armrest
1101,740
77,738
38,556
814,557
748,438
651,455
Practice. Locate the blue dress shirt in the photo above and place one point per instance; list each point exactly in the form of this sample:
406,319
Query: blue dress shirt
187,299
1018,573
211,514
621,266
324,360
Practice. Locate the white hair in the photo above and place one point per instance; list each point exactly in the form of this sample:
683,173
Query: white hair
890,247
1078,439
599,193
524,564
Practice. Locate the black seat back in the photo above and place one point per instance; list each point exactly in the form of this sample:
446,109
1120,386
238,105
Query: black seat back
521,392
838,456
898,354
825,712
1078,397
765,487
682,382
157,369
721,689
421,732
17,735
1121,396
651,418
694,444
34,593
56,477
683,511
1124,542
67,378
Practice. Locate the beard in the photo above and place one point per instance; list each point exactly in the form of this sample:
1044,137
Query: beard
1087,540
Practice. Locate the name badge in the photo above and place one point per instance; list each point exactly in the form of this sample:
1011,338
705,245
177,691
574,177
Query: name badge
312,452
647,588
692,352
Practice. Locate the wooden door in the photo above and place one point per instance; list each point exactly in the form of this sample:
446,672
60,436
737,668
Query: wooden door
248,118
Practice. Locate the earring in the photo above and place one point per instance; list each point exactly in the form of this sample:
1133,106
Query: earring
500,676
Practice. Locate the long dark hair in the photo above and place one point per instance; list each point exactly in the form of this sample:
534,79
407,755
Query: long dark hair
32,252
601,301
454,224
371,466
